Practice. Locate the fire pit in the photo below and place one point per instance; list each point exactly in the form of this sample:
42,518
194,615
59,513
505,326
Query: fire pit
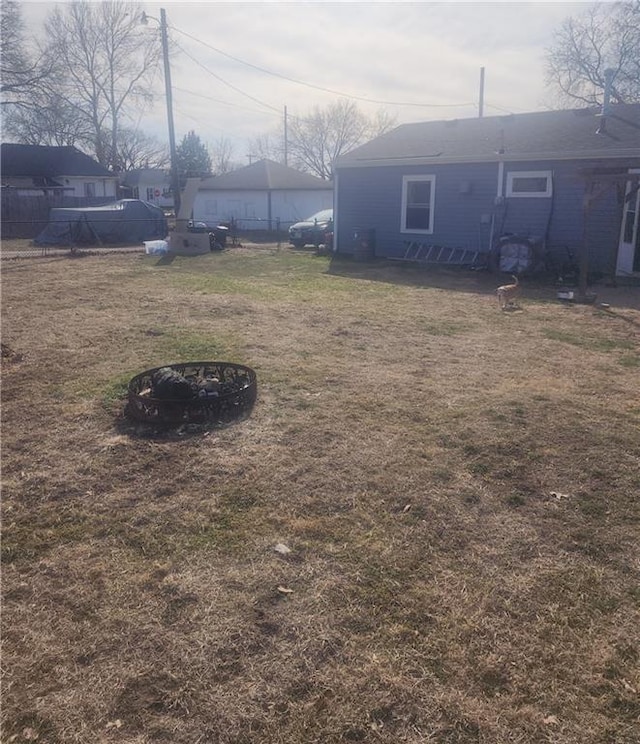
192,393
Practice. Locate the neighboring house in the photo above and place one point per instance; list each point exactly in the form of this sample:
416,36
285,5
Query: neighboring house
37,178
40,169
152,185
263,195
450,190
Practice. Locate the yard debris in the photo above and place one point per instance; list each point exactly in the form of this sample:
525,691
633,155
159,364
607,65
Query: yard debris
406,508
558,495
10,355
282,549
114,724
629,687
550,720
285,590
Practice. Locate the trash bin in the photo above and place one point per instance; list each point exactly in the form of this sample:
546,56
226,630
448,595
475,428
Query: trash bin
364,244
219,237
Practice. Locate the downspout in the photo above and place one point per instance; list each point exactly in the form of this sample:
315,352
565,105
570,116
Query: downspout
500,190
269,208
498,200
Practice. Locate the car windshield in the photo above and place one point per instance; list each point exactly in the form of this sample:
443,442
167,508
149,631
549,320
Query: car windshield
324,216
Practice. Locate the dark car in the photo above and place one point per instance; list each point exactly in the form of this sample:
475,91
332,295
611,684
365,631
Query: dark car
313,230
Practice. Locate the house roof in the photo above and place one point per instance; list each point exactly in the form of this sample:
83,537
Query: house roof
48,162
265,175
543,135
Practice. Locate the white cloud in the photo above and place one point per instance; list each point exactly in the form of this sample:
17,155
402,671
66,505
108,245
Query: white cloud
423,52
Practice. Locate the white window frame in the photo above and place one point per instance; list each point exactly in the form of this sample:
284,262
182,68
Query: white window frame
512,175
406,180
90,186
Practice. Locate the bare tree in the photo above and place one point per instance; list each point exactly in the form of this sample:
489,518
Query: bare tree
221,153
20,75
605,36
316,140
267,146
47,120
108,60
135,149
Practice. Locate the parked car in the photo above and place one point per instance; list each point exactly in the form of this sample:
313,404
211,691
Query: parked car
313,230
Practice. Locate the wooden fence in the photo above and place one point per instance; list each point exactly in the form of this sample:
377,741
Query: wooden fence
26,216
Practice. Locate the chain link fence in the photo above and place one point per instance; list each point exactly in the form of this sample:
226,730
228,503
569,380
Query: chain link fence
20,229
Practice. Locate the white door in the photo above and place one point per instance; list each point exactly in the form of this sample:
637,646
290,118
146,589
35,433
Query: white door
629,247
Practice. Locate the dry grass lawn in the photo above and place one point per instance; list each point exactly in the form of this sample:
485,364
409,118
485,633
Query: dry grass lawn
458,486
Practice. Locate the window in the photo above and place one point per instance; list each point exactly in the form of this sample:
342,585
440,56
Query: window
89,189
529,183
418,194
150,193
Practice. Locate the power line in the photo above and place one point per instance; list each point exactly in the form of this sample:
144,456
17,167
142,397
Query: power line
318,87
511,110
224,82
217,100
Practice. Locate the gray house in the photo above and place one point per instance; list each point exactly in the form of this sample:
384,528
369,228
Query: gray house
261,196
537,186
38,169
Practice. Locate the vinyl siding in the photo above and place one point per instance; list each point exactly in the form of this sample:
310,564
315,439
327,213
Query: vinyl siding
250,209
372,198
466,208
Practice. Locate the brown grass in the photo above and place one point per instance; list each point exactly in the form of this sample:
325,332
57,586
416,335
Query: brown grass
458,486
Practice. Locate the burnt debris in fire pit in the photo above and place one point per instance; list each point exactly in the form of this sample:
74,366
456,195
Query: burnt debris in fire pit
192,393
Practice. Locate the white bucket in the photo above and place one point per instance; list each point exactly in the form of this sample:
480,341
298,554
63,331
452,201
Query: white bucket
156,247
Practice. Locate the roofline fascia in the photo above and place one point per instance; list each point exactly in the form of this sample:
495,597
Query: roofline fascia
597,155
245,188
86,175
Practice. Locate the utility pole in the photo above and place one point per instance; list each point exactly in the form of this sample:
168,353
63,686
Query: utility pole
175,176
286,138
481,99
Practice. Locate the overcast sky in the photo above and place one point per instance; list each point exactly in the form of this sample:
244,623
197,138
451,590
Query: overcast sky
425,53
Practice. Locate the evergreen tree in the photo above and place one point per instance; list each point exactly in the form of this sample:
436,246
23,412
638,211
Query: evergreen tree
193,157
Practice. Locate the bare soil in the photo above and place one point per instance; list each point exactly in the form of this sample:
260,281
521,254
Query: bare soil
458,487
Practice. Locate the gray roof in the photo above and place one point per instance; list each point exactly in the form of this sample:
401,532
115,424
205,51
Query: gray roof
533,136
265,175
48,161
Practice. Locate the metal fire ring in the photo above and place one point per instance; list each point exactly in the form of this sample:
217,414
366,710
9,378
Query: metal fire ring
235,394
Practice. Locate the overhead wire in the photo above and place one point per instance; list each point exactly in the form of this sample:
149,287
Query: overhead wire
311,85
223,81
217,100
498,108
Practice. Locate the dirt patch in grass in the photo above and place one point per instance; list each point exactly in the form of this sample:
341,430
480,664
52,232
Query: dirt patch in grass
458,488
